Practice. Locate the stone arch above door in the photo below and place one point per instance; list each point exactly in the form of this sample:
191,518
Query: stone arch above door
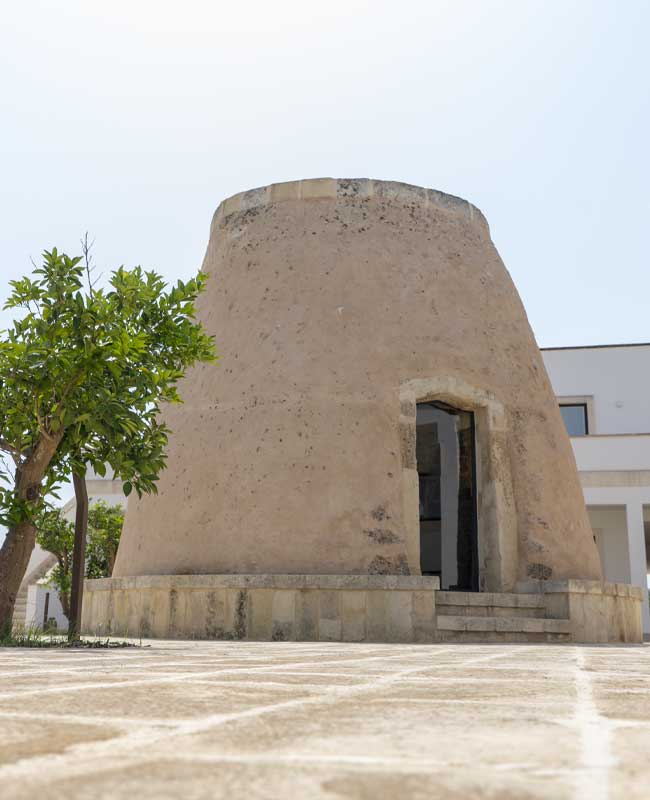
497,520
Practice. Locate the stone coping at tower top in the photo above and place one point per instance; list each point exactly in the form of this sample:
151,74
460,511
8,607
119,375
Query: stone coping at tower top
268,581
346,189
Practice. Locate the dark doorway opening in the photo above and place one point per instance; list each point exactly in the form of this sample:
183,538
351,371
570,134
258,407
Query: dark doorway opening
446,458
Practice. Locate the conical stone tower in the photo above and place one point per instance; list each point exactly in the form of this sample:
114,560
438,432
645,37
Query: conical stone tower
345,311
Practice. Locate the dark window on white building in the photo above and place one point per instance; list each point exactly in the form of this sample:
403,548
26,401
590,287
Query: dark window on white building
575,418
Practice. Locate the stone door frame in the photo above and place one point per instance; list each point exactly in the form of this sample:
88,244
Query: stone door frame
496,512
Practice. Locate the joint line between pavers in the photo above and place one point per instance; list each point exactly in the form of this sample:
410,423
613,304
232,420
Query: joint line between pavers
178,676
98,753
592,778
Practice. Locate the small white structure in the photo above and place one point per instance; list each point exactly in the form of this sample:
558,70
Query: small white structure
604,396
43,607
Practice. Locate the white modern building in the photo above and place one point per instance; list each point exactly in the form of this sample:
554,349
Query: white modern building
604,395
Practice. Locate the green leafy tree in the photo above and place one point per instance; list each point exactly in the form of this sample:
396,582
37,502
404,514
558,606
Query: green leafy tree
104,531
83,373
56,535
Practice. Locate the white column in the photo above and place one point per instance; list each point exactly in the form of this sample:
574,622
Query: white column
636,548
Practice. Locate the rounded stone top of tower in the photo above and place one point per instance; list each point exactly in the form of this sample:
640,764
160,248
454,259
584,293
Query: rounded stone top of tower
348,188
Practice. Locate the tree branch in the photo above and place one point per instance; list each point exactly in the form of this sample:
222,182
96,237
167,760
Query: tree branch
9,448
86,247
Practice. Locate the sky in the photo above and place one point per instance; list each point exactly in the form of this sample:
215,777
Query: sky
132,120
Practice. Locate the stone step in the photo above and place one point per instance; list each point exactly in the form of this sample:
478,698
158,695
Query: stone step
489,611
513,624
504,629
503,599
489,604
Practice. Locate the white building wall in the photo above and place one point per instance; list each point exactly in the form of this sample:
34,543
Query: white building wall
617,377
614,459
610,531
613,453
36,601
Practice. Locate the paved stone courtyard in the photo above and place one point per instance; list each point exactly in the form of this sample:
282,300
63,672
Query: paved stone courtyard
280,720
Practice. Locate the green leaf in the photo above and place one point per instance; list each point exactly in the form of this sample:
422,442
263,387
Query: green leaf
92,372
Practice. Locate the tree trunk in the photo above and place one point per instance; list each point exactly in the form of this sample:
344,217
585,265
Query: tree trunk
14,558
64,599
20,540
78,555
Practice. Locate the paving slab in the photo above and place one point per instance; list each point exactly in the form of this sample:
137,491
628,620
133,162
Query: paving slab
211,720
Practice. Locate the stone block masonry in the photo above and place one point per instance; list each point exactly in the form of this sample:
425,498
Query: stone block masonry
339,608
599,613
357,608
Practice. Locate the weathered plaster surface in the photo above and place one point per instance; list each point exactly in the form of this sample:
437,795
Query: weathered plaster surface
327,298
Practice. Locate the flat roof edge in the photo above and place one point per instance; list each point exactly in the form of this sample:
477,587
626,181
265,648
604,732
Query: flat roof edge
597,346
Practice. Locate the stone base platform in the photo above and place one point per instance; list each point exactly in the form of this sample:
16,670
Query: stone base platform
339,608
357,608
600,613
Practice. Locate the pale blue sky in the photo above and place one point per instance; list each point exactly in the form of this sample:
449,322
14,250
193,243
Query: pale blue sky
133,119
